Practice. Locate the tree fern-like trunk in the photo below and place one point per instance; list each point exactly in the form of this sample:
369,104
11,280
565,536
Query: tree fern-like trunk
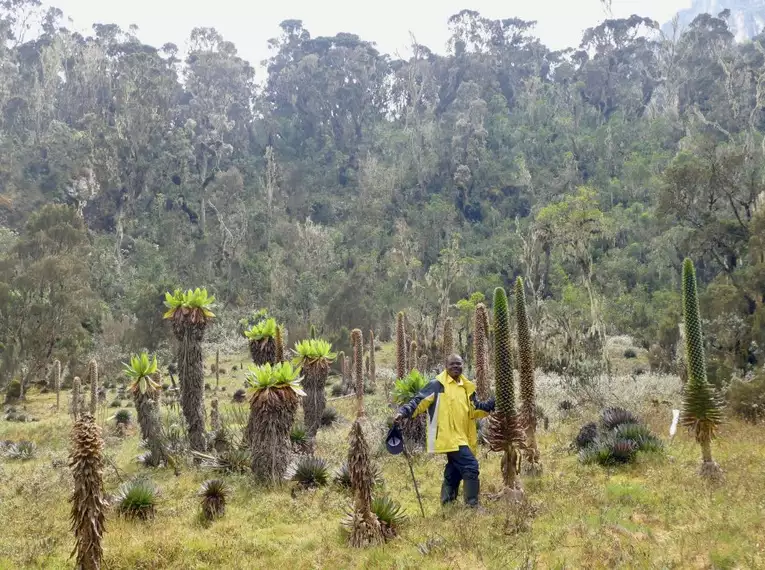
358,373
447,345
314,402
93,380
364,527
271,417
151,427
192,380
263,351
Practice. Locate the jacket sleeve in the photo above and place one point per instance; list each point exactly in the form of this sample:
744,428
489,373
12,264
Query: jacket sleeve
482,409
421,402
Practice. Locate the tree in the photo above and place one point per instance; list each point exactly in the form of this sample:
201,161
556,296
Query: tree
190,314
145,389
314,357
275,393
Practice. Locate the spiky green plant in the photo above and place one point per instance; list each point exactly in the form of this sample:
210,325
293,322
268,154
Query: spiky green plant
299,439
275,393
413,429
262,337
315,357
613,417
481,352
88,515
190,313
400,347
213,493
93,380
137,499
122,417
372,366
329,417
505,430
528,413
390,514
447,344
311,472
701,411
76,398
358,371
145,388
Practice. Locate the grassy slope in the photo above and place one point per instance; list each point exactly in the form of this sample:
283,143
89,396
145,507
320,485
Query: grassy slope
655,514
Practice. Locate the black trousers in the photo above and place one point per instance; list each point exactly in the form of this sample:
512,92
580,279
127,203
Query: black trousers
460,465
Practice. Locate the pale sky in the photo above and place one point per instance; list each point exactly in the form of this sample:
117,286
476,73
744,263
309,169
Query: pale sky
387,22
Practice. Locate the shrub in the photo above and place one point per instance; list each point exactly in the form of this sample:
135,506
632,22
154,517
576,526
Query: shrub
311,472
609,451
240,396
214,493
13,391
611,418
630,353
566,406
21,451
329,417
123,417
116,404
337,390
390,514
747,399
137,499
586,436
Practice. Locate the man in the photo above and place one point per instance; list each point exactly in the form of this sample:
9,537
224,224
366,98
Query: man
453,409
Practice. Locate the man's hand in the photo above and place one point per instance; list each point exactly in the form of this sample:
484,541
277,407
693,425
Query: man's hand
397,418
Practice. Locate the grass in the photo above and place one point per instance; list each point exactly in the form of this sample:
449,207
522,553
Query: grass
654,514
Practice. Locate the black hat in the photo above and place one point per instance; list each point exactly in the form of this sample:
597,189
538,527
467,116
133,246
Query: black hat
394,441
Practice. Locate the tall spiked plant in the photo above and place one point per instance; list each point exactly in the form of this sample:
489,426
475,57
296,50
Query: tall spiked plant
190,313
701,411
279,341
145,389
315,357
372,366
400,347
358,370
88,515
447,344
75,404
526,368
363,526
413,362
275,393
505,429
481,352
263,346
57,381
93,381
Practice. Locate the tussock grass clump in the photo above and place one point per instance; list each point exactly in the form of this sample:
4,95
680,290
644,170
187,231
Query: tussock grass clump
619,438
311,472
137,499
329,417
214,493
21,451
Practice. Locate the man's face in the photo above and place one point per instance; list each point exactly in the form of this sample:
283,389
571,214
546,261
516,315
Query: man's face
454,367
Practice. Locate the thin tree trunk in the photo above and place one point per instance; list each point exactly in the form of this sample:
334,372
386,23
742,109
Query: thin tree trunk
314,382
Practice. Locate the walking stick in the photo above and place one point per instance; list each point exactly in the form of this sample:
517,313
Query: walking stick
416,489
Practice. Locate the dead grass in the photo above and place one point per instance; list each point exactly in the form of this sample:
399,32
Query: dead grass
654,514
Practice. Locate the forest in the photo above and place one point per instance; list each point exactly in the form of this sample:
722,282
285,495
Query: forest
348,190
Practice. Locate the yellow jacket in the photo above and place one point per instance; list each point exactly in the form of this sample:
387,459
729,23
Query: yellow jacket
443,399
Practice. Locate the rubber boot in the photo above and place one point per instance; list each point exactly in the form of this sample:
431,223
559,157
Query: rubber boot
472,487
448,493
